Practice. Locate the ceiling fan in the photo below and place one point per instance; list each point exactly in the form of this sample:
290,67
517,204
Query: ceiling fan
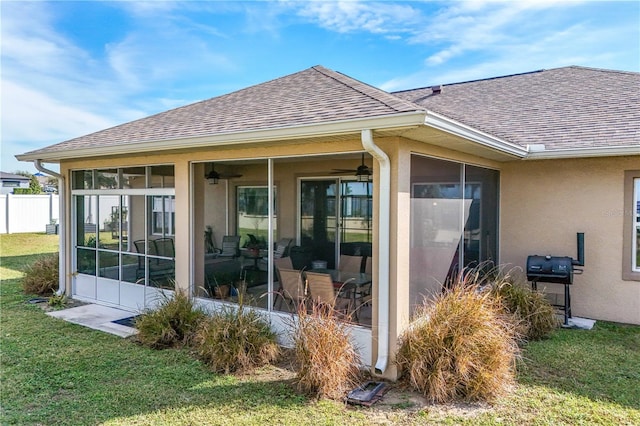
213,177
363,173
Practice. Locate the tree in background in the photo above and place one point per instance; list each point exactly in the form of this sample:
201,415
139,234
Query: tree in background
34,185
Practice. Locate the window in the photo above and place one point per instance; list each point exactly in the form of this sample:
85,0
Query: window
253,212
11,184
163,215
636,225
631,217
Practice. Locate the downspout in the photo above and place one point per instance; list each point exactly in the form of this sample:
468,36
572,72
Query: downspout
62,272
383,247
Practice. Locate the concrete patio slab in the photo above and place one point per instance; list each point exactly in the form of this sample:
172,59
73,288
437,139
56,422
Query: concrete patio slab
581,323
97,317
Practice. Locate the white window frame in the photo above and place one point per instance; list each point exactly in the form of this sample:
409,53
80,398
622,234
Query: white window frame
166,212
635,228
630,217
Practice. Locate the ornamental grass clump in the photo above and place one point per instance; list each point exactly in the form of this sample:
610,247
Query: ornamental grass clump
462,346
531,309
236,339
42,277
326,362
173,324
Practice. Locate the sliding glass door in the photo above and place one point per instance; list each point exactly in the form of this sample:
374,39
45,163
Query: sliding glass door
335,218
318,214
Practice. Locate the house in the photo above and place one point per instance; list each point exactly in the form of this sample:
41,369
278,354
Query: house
419,183
11,181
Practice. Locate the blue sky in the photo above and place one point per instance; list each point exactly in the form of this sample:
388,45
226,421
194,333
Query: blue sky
72,68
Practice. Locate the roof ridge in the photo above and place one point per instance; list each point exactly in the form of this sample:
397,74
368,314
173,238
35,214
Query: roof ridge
366,90
471,81
519,74
605,70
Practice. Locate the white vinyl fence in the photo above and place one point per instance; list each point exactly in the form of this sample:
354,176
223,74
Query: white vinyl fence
27,212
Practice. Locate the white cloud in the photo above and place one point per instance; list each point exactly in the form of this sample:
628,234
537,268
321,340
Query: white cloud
55,120
54,90
487,39
349,16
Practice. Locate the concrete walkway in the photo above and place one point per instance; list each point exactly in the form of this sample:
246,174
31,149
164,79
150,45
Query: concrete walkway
97,317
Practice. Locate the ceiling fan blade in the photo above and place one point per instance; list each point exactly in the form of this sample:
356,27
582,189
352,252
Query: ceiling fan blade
344,170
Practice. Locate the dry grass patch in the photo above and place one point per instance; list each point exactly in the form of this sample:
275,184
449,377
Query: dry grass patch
462,346
326,363
42,276
532,311
236,339
172,324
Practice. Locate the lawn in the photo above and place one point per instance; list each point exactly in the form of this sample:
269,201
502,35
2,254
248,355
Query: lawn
52,372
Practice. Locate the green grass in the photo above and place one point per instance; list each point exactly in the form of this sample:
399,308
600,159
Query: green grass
19,250
54,373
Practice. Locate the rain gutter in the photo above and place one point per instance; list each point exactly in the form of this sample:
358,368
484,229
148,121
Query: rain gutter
383,254
62,271
276,134
486,140
538,152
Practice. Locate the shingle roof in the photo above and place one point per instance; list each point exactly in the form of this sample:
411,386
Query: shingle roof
562,108
4,175
315,95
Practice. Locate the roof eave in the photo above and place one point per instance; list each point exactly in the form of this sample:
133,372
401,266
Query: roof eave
334,128
486,140
608,151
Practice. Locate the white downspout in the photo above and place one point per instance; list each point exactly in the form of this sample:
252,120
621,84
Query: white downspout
62,272
384,205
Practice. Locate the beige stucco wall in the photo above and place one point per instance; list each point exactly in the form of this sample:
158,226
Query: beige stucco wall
545,203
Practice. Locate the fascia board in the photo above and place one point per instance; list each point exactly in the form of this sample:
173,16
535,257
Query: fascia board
454,127
335,128
609,151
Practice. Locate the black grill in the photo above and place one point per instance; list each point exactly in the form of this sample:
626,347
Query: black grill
550,269
558,270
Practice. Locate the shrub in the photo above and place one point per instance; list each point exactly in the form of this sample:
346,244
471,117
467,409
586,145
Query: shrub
42,276
535,314
57,301
326,363
461,346
236,339
172,324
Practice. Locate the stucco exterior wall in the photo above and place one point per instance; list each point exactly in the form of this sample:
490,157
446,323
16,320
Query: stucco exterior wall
545,203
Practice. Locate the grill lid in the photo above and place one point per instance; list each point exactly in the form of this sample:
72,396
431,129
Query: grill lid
550,269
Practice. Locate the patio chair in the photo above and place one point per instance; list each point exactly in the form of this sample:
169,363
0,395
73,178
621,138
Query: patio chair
368,267
159,269
140,248
282,248
281,263
292,290
230,246
350,263
281,251
322,291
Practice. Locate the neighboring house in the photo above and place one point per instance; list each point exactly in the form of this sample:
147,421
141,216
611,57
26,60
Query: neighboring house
421,183
12,181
